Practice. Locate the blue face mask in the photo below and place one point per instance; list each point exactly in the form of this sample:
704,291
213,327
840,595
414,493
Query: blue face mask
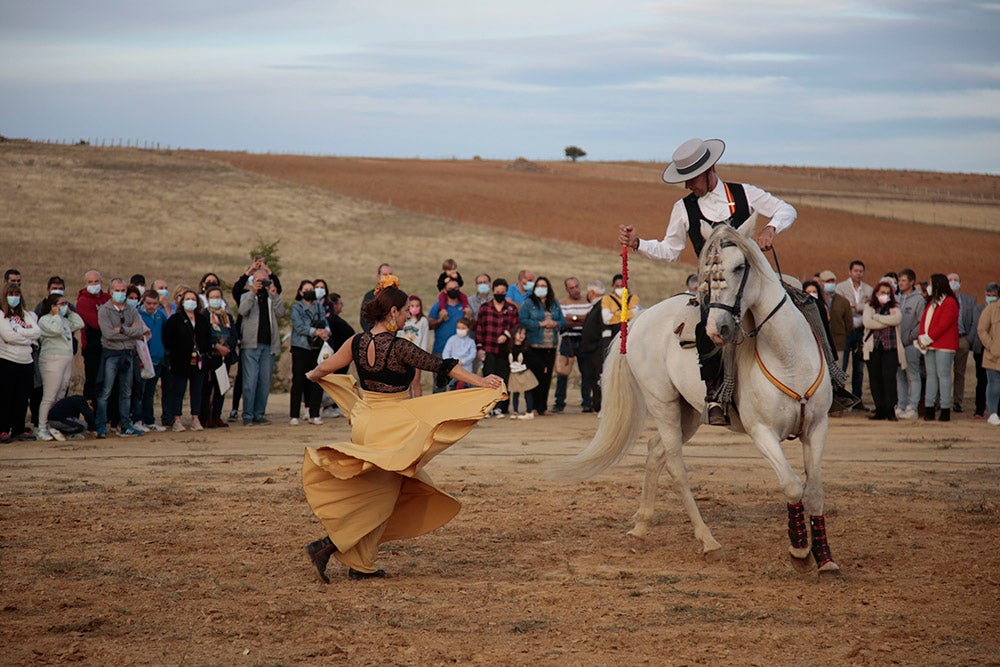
215,303
190,305
528,286
541,292
13,301
483,289
63,310
990,299
132,302
118,297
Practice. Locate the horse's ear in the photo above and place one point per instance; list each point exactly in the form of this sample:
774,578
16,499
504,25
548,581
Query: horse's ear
747,228
706,229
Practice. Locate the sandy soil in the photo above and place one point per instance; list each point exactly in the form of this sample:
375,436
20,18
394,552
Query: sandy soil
187,549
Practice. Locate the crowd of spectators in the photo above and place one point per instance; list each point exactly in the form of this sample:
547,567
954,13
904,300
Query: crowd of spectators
912,337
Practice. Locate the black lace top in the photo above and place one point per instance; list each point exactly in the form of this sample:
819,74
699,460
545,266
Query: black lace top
395,361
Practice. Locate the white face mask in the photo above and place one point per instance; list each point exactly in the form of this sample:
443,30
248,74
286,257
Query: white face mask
541,292
930,291
190,305
883,299
94,289
954,285
461,333
57,291
618,291
320,292
141,288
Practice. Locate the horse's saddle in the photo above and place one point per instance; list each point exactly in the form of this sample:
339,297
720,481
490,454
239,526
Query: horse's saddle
686,321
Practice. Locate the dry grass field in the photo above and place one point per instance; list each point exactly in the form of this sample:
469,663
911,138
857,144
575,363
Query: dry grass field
186,549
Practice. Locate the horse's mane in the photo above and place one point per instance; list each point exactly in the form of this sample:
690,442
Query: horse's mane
747,246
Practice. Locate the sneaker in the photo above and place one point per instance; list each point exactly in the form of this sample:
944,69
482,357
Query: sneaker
513,415
178,427
294,421
27,436
908,413
5,437
262,421
157,428
557,410
957,407
994,420
57,435
102,433
196,424
45,434
497,412
249,422
139,426
316,421
527,415
233,416
130,432
75,436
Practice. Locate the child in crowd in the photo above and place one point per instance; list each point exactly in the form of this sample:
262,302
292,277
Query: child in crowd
417,331
522,380
461,346
449,270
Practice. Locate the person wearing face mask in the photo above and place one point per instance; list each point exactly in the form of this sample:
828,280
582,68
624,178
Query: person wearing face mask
938,341
988,334
611,305
19,332
858,293
523,288
154,317
120,326
494,323
221,354
163,292
838,310
309,331
483,295
450,272
375,488
187,336
908,384
461,346
417,331
55,357
443,320
881,349
542,317
966,334
91,297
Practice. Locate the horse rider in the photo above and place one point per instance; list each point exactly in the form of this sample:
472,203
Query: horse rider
715,202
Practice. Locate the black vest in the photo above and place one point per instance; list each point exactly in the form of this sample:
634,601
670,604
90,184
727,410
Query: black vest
695,215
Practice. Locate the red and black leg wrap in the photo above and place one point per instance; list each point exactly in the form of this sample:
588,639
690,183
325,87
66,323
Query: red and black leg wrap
820,547
797,534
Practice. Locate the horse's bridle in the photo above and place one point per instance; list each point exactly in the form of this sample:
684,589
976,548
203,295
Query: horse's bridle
735,310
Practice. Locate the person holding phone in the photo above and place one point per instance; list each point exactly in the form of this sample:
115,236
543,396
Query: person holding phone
260,341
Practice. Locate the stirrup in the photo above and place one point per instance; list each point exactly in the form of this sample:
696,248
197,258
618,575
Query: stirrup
716,414
843,400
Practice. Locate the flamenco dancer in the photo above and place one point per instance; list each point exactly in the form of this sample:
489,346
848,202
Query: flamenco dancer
373,489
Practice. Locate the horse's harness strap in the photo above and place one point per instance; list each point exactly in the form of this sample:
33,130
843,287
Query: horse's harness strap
791,393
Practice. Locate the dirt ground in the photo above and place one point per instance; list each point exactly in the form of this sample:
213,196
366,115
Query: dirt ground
186,548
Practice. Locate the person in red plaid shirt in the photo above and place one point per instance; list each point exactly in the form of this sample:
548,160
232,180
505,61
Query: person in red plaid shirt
494,322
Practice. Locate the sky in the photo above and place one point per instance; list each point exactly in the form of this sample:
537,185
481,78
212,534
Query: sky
896,84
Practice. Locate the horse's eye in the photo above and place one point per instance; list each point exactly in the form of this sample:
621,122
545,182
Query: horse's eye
739,268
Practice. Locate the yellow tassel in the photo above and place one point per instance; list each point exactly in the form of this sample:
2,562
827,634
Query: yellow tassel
626,313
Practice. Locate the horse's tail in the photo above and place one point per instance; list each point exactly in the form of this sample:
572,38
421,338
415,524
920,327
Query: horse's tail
622,419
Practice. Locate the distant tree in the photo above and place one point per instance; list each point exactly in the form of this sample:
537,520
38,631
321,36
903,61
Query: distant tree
573,152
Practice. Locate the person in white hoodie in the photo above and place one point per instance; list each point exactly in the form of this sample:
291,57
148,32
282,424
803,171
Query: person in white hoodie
55,359
19,332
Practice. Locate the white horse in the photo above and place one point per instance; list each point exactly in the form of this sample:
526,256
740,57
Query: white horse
659,377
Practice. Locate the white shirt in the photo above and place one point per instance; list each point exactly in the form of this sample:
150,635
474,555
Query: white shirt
715,206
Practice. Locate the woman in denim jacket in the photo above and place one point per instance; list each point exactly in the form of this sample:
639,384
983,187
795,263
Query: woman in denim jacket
542,317
309,330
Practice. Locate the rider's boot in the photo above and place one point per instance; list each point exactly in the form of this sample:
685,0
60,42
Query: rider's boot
717,415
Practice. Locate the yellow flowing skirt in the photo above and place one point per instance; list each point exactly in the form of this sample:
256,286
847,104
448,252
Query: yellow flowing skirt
374,486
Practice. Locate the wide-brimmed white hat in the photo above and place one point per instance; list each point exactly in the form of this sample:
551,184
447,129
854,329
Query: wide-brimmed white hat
692,158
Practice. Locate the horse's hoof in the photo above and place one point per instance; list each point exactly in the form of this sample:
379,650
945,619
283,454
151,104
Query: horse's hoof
830,571
638,533
802,565
714,555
